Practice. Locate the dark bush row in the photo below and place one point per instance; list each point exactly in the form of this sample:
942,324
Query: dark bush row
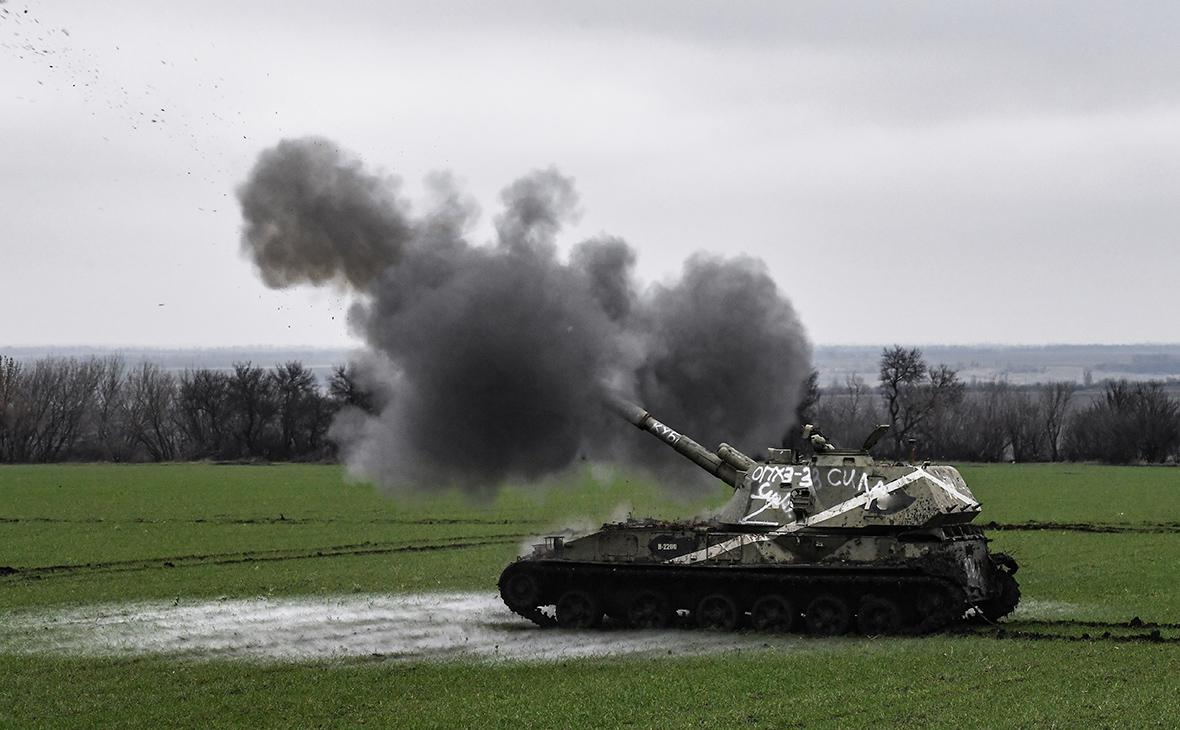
948,420
66,409
59,409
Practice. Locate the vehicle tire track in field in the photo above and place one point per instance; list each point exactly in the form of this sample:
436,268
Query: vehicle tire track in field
1151,527
1152,637
280,520
10,574
1135,623
1059,630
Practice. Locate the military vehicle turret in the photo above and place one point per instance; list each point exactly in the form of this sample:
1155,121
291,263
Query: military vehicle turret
824,543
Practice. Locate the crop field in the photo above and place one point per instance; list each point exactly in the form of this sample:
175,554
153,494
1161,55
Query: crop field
204,595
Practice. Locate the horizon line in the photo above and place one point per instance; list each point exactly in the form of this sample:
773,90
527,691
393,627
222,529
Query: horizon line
361,346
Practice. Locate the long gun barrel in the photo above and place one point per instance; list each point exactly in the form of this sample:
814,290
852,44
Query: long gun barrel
721,468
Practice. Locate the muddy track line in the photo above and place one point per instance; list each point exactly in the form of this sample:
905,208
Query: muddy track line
1135,623
1152,637
10,574
1055,630
1150,528
280,520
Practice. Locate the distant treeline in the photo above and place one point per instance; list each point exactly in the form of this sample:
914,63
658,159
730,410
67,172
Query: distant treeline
98,409
933,413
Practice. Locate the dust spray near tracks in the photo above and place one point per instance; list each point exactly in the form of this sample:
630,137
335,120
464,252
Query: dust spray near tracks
422,627
412,627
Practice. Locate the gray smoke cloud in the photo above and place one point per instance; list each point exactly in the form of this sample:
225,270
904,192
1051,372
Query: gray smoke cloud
489,361
313,215
726,354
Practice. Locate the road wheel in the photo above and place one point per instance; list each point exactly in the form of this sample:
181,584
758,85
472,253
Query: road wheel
772,613
936,608
717,611
649,610
878,616
520,589
578,610
828,615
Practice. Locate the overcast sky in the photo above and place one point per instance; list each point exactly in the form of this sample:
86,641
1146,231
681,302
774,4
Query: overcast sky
917,172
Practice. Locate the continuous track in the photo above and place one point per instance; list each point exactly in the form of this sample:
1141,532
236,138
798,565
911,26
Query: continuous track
825,601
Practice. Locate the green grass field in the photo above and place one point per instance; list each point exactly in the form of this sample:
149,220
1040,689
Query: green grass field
89,534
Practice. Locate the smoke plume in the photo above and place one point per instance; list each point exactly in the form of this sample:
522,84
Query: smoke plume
489,361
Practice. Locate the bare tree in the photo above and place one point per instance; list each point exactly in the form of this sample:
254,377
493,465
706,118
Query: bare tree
252,403
303,414
848,411
1131,422
53,404
149,411
203,411
913,391
34,423
1158,421
345,389
861,405
901,371
109,408
11,407
1055,400
972,430
1023,424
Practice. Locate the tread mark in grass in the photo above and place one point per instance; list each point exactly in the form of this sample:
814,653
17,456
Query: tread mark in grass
1149,528
1054,630
1153,637
280,520
1134,623
1152,527
187,561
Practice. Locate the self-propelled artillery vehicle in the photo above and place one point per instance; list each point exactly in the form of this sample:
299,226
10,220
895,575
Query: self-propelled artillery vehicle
825,543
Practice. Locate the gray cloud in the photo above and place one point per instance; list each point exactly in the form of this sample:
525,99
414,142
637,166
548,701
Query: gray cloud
1016,164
